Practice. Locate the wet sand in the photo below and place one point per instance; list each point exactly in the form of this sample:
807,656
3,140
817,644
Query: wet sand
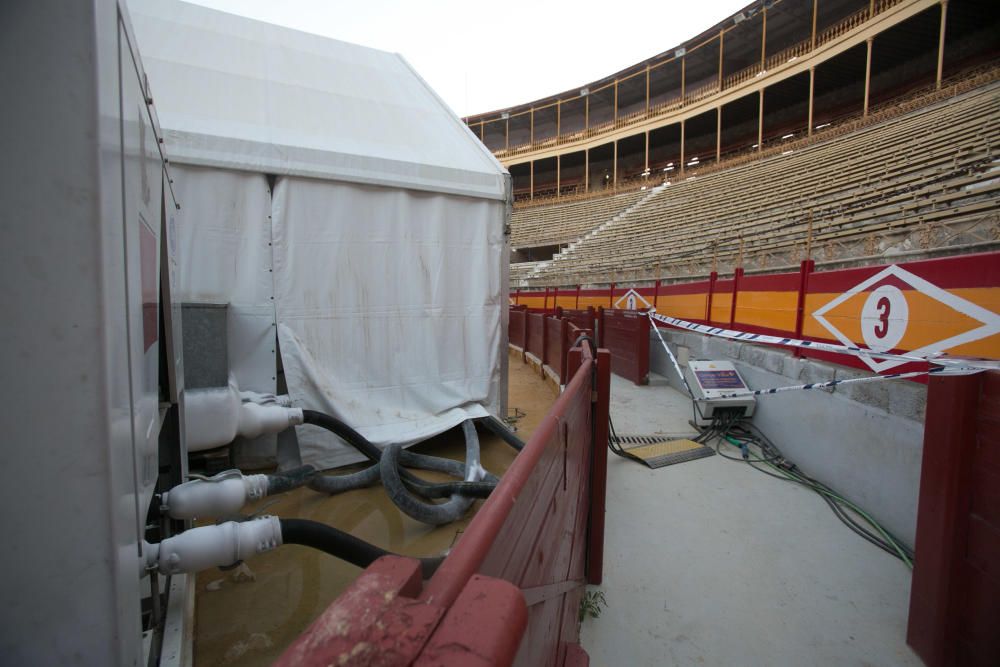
248,615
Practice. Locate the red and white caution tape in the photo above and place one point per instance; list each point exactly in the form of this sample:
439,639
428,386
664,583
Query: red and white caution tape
943,366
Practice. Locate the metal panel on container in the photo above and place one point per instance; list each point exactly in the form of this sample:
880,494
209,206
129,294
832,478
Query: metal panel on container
142,203
80,340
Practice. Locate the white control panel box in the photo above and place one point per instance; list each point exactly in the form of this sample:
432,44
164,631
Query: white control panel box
711,381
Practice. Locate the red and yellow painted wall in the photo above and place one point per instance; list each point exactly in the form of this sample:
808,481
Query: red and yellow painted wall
941,305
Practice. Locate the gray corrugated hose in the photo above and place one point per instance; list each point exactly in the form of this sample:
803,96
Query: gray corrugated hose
448,511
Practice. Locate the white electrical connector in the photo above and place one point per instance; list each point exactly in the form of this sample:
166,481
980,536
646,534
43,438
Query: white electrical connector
224,494
214,417
221,545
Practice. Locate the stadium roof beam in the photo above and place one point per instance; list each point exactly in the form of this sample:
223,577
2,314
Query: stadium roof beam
805,46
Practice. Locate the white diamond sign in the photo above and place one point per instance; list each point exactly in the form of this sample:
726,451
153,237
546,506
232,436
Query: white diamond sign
886,315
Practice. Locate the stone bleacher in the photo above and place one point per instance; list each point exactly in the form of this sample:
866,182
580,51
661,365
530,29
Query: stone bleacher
934,166
552,224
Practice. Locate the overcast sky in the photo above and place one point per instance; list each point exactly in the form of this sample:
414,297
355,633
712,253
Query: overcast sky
481,56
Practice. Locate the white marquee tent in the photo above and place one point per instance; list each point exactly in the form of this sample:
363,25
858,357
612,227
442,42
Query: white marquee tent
339,207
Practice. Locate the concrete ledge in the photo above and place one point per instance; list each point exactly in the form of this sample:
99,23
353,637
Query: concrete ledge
534,362
552,378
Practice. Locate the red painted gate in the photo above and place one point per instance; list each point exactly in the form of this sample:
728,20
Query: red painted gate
517,327
535,335
625,333
583,318
955,594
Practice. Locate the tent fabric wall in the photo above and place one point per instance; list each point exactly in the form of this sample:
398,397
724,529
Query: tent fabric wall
389,273
389,307
223,242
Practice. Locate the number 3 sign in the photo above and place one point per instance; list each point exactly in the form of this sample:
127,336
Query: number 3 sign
884,318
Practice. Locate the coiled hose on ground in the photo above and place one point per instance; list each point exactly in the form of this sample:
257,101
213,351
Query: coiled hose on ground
437,515
401,484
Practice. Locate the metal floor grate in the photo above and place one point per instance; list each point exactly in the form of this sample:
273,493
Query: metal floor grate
657,451
650,439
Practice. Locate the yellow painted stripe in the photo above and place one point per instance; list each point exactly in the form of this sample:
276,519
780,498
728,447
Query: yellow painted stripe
721,306
774,310
687,306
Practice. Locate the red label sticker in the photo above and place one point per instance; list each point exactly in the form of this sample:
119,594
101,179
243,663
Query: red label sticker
150,294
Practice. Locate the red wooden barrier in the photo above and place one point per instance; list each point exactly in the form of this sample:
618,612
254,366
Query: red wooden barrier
535,335
516,328
584,318
625,333
510,589
955,593
555,346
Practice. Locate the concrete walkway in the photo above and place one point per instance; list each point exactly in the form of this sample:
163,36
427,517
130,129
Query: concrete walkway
713,563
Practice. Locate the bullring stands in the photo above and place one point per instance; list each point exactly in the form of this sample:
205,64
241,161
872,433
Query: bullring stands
936,167
561,223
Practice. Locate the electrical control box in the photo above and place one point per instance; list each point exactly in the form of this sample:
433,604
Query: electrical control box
712,380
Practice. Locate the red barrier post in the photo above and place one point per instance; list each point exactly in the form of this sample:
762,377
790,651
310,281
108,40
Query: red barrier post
515,329
563,350
805,268
535,341
555,346
601,329
955,591
642,349
524,334
611,295
545,337
577,306
656,293
599,469
711,291
737,275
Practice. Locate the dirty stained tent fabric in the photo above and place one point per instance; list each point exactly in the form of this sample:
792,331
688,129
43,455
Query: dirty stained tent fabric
377,260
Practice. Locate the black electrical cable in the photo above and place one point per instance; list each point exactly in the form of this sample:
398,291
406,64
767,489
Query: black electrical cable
614,444
337,427
342,545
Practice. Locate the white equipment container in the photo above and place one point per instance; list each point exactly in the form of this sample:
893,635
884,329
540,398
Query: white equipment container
710,380
87,207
